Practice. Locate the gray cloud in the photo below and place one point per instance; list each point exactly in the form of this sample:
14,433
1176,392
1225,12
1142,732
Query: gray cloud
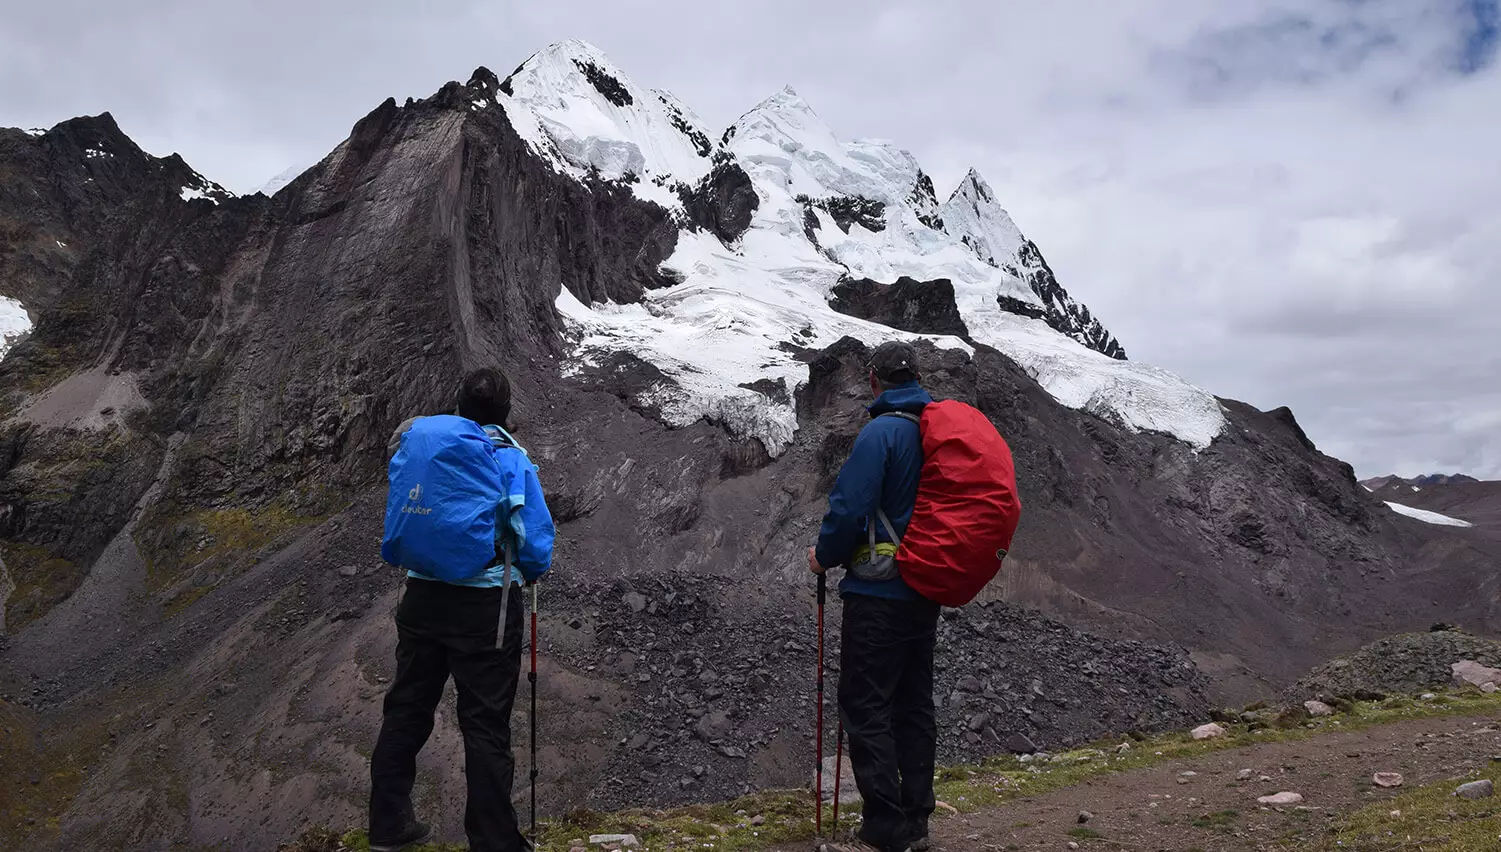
1286,201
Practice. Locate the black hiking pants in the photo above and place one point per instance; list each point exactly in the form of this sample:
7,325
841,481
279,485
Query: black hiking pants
886,704
444,630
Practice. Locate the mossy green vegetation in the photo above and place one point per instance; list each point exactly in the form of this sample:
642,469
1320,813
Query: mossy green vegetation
42,580
1430,818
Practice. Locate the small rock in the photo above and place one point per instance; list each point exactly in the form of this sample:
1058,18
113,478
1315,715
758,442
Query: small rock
758,819
1245,775
1427,696
1073,845
348,571
1476,790
1387,779
1264,779
635,600
1488,688
1122,748
1284,798
1020,744
733,752
1188,774
1318,708
574,623
1394,814
626,841
1207,732
947,808
1085,816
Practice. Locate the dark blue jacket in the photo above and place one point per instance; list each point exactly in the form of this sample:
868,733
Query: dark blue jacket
882,469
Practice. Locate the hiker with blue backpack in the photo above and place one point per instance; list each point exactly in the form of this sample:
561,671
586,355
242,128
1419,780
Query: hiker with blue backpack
465,517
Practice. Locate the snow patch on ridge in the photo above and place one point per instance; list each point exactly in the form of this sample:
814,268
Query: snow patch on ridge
198,186
1426,516
14,324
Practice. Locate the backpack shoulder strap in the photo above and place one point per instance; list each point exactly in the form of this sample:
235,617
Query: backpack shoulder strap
905,415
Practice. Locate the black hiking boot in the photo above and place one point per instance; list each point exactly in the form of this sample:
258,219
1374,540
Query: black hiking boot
415,832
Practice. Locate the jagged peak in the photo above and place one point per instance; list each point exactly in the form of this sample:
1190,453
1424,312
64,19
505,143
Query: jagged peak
974,186
785,100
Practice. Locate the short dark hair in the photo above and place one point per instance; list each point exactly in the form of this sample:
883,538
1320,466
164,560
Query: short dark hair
485,397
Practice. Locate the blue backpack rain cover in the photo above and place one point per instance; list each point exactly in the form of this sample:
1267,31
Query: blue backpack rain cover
440,512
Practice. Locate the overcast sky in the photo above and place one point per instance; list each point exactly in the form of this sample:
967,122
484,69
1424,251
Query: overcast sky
1289,202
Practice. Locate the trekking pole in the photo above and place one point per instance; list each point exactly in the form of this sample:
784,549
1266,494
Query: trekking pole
823,591
838,769
532,678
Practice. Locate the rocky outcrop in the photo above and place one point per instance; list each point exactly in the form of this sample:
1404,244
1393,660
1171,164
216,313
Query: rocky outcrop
1404,665
925,307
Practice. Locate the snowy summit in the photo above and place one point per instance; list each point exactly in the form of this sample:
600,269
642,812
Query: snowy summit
829,210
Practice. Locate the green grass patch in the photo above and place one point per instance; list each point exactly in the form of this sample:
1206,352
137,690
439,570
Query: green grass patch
1220,820
1430,818
1085,833
42,580
174,545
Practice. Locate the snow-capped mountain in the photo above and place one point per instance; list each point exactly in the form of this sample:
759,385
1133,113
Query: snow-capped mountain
826,211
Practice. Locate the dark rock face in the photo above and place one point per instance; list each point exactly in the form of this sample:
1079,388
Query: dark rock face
723,202
925,307
925,200
606,83
191,486
849,210
1062,313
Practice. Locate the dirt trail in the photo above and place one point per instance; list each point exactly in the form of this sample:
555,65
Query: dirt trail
1150,809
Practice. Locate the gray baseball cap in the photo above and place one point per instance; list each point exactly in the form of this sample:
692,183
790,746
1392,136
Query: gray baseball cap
893,358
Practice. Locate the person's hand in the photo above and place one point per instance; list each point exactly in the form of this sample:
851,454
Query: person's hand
813,561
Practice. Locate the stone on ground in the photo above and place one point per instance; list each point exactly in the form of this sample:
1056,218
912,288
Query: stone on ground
1471,673
1476,790
1208,732
624,841
1387,779
1283,798
1318,708
1085,816
848,793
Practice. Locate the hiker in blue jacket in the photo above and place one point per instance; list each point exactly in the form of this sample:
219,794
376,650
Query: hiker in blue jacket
448,627
888,630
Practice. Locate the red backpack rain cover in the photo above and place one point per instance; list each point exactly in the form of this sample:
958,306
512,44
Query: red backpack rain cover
967,508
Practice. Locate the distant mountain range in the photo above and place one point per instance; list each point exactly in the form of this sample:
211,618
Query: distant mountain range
1376,483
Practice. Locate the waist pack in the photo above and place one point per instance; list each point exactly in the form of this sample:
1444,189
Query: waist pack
875,561
445,485
967,507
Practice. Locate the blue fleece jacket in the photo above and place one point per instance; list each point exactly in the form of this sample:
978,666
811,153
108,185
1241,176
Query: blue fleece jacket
882,470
